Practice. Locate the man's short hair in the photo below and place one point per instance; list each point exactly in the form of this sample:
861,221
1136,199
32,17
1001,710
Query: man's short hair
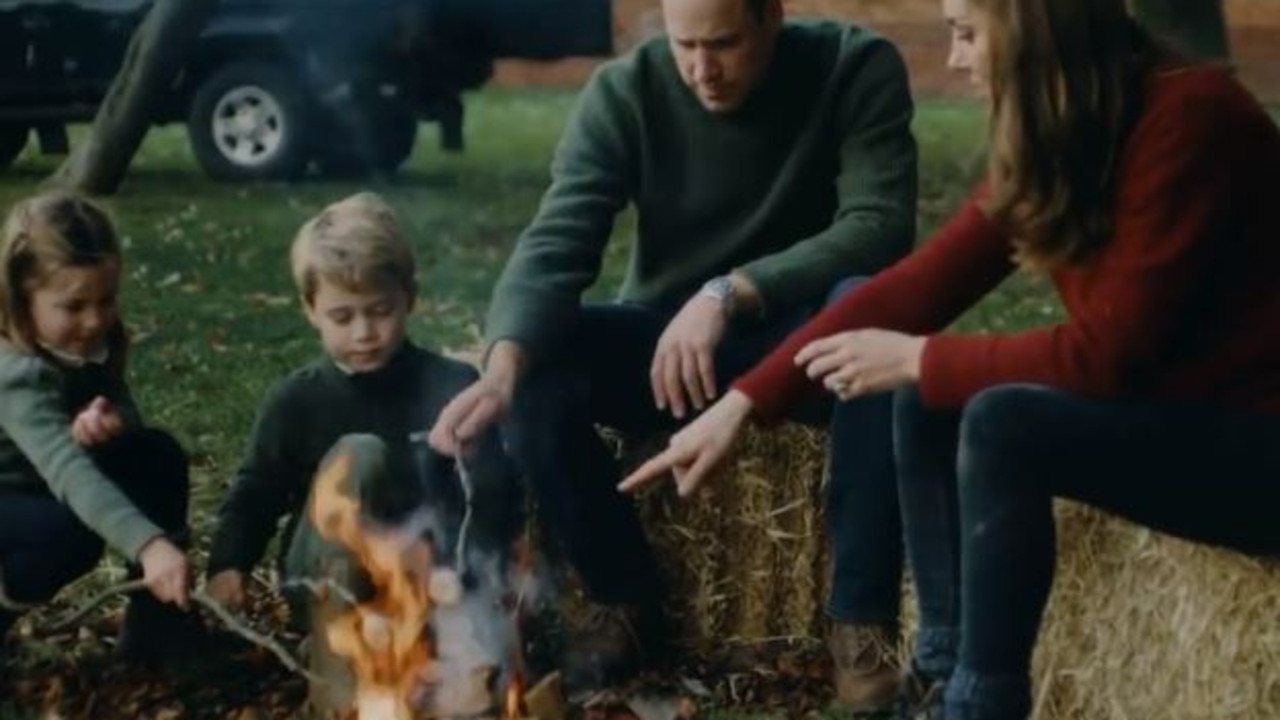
757,7
356,243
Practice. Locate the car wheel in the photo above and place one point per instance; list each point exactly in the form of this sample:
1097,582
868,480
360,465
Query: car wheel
13,138
377,142
249,122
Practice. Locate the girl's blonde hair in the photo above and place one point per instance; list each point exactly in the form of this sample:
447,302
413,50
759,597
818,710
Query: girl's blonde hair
357,244
1066,82
41,235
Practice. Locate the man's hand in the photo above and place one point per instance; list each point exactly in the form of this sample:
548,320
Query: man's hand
684,361
165,571
485,402
862,362
227,588
97,423
694,451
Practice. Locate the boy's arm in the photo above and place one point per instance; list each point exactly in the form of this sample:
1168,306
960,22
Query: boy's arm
265,484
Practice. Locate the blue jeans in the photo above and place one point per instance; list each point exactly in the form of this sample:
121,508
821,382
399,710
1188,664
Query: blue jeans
977,487
602,377
44,546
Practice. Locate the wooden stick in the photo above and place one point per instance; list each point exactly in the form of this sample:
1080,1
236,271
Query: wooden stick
201,598
76,615
248,633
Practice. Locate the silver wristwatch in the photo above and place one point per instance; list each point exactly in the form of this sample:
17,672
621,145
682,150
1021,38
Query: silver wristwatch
721,288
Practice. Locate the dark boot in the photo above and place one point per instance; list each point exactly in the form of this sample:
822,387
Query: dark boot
919,696
155,633
608,645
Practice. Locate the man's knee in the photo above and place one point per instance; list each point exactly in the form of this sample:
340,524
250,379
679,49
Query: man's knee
538,410
845,286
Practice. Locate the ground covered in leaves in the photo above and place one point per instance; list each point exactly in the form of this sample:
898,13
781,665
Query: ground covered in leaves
73,674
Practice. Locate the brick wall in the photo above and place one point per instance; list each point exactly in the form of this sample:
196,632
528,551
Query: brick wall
915,26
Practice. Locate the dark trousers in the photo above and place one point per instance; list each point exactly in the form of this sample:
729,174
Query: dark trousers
44,546
601,376
976,491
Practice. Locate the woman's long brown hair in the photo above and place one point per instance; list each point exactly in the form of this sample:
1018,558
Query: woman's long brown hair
1066,80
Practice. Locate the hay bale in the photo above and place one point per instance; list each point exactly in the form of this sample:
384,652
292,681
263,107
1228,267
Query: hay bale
747,557
1139,626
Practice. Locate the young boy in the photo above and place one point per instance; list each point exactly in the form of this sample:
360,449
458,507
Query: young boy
371,395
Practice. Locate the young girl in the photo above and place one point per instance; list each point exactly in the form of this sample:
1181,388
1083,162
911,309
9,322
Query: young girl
77,467
1146,188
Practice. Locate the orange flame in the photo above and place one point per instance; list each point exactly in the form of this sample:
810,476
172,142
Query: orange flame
383,639
515,690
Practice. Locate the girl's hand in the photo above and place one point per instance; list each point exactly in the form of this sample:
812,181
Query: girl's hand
97,423
863,362
227,588
695,450
165,570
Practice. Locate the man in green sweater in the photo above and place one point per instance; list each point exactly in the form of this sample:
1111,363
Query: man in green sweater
767,162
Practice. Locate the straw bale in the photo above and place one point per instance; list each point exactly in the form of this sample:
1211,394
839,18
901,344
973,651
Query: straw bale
747,557
1140,626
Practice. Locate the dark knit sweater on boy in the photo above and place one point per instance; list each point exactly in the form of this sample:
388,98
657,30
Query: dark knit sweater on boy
307,412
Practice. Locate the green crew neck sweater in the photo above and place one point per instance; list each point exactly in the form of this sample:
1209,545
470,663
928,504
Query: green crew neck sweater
39,397
812,180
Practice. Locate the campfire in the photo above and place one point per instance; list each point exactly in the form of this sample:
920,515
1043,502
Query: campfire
423,646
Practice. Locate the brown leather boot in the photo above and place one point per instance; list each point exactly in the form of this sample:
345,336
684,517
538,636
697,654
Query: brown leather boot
607,645
866,663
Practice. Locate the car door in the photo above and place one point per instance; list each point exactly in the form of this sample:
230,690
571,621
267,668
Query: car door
88,48
22,25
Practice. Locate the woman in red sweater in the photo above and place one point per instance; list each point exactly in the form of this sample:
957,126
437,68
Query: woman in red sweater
1147,188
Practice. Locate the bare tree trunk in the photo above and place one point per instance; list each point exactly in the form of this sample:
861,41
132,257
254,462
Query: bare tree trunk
98,164
1198,27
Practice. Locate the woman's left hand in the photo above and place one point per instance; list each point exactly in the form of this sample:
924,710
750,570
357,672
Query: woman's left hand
863,362
695,451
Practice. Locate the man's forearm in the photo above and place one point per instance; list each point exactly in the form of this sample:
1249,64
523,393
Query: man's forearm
505,363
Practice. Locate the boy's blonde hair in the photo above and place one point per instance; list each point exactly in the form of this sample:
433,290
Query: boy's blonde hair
42,234
357,244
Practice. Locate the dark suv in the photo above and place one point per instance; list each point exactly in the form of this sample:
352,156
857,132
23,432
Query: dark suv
273,85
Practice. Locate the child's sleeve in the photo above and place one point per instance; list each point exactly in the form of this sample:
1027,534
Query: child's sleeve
32,415
263,490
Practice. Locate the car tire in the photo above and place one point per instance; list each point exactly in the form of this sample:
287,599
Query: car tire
13,138
249,121
394,133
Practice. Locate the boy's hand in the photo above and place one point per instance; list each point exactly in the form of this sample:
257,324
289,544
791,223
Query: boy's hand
166,572
97,423
227,588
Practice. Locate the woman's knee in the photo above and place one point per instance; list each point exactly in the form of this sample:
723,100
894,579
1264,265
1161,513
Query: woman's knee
1002,434
1006,418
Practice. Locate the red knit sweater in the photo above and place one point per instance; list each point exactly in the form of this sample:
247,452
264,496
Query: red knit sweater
1184,302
